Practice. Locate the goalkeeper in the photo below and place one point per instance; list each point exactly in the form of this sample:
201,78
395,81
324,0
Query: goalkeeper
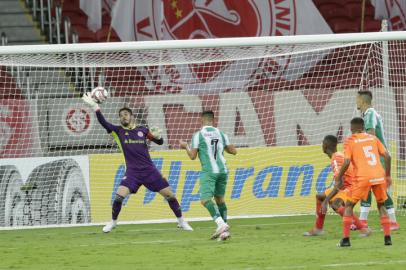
210,143
140,170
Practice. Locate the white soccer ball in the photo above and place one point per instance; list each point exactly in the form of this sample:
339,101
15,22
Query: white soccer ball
224,236
99,94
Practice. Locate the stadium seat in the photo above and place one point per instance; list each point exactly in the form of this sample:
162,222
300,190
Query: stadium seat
106,19
75,17
354,10
332,10
322,2
102,34
344,16
344,25
126,81
71,5
85,35
372,26
319,2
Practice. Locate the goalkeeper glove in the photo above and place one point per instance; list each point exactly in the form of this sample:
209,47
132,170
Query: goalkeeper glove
156,132
89,100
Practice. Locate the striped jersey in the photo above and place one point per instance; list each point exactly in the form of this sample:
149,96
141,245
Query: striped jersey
210,142
372,119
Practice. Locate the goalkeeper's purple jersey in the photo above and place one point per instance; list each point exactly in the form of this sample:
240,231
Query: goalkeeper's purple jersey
133,144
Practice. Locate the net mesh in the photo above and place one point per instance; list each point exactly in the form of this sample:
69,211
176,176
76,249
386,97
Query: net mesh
276,103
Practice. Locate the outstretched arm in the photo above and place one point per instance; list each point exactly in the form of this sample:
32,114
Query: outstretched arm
154,134
107,126
95,107
192,153
231,149
151,137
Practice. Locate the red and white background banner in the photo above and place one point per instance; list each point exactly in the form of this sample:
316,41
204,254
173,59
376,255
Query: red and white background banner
174,19
157,20
392,10
19,135
185,19
264,118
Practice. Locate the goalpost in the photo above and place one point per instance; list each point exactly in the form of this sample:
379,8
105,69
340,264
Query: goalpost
275,97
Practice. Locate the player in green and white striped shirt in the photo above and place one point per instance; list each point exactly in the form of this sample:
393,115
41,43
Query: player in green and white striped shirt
374,125
209,143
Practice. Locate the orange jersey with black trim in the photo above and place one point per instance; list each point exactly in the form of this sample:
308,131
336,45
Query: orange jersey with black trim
337,161
364,151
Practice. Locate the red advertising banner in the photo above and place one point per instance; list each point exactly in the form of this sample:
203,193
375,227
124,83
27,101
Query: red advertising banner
18,131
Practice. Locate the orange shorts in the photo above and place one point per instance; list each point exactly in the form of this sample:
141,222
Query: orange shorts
342,194
361,192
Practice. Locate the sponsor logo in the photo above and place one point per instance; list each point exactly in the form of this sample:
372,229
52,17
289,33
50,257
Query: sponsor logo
269,183
77,121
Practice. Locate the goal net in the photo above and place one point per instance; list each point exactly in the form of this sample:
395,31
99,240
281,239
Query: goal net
275,97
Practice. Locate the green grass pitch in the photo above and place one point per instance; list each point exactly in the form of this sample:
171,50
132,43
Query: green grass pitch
266,243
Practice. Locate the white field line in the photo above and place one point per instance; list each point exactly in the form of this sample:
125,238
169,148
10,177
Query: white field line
177,229
366,263
170,220
133,243
336,265
282,267
152,242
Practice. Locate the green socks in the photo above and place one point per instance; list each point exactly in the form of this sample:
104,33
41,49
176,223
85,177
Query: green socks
223,211
213,209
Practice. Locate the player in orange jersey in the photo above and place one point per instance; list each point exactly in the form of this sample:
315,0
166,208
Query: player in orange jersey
363,151
335,197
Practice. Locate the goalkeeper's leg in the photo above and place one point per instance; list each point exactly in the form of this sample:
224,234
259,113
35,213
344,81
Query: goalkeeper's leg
122,193
175,206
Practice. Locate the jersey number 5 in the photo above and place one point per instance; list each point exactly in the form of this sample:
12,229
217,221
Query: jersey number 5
370,155
214,143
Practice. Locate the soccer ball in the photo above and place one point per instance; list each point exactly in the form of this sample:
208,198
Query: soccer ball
224,236
99,94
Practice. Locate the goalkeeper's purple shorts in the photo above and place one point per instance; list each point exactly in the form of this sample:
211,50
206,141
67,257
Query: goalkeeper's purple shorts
151,179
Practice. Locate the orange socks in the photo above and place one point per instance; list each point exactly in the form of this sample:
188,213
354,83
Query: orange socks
385,222
347,221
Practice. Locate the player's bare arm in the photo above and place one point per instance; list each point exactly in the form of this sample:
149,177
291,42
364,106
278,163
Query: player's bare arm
339,181
192,153
231,149
388,161
325,202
